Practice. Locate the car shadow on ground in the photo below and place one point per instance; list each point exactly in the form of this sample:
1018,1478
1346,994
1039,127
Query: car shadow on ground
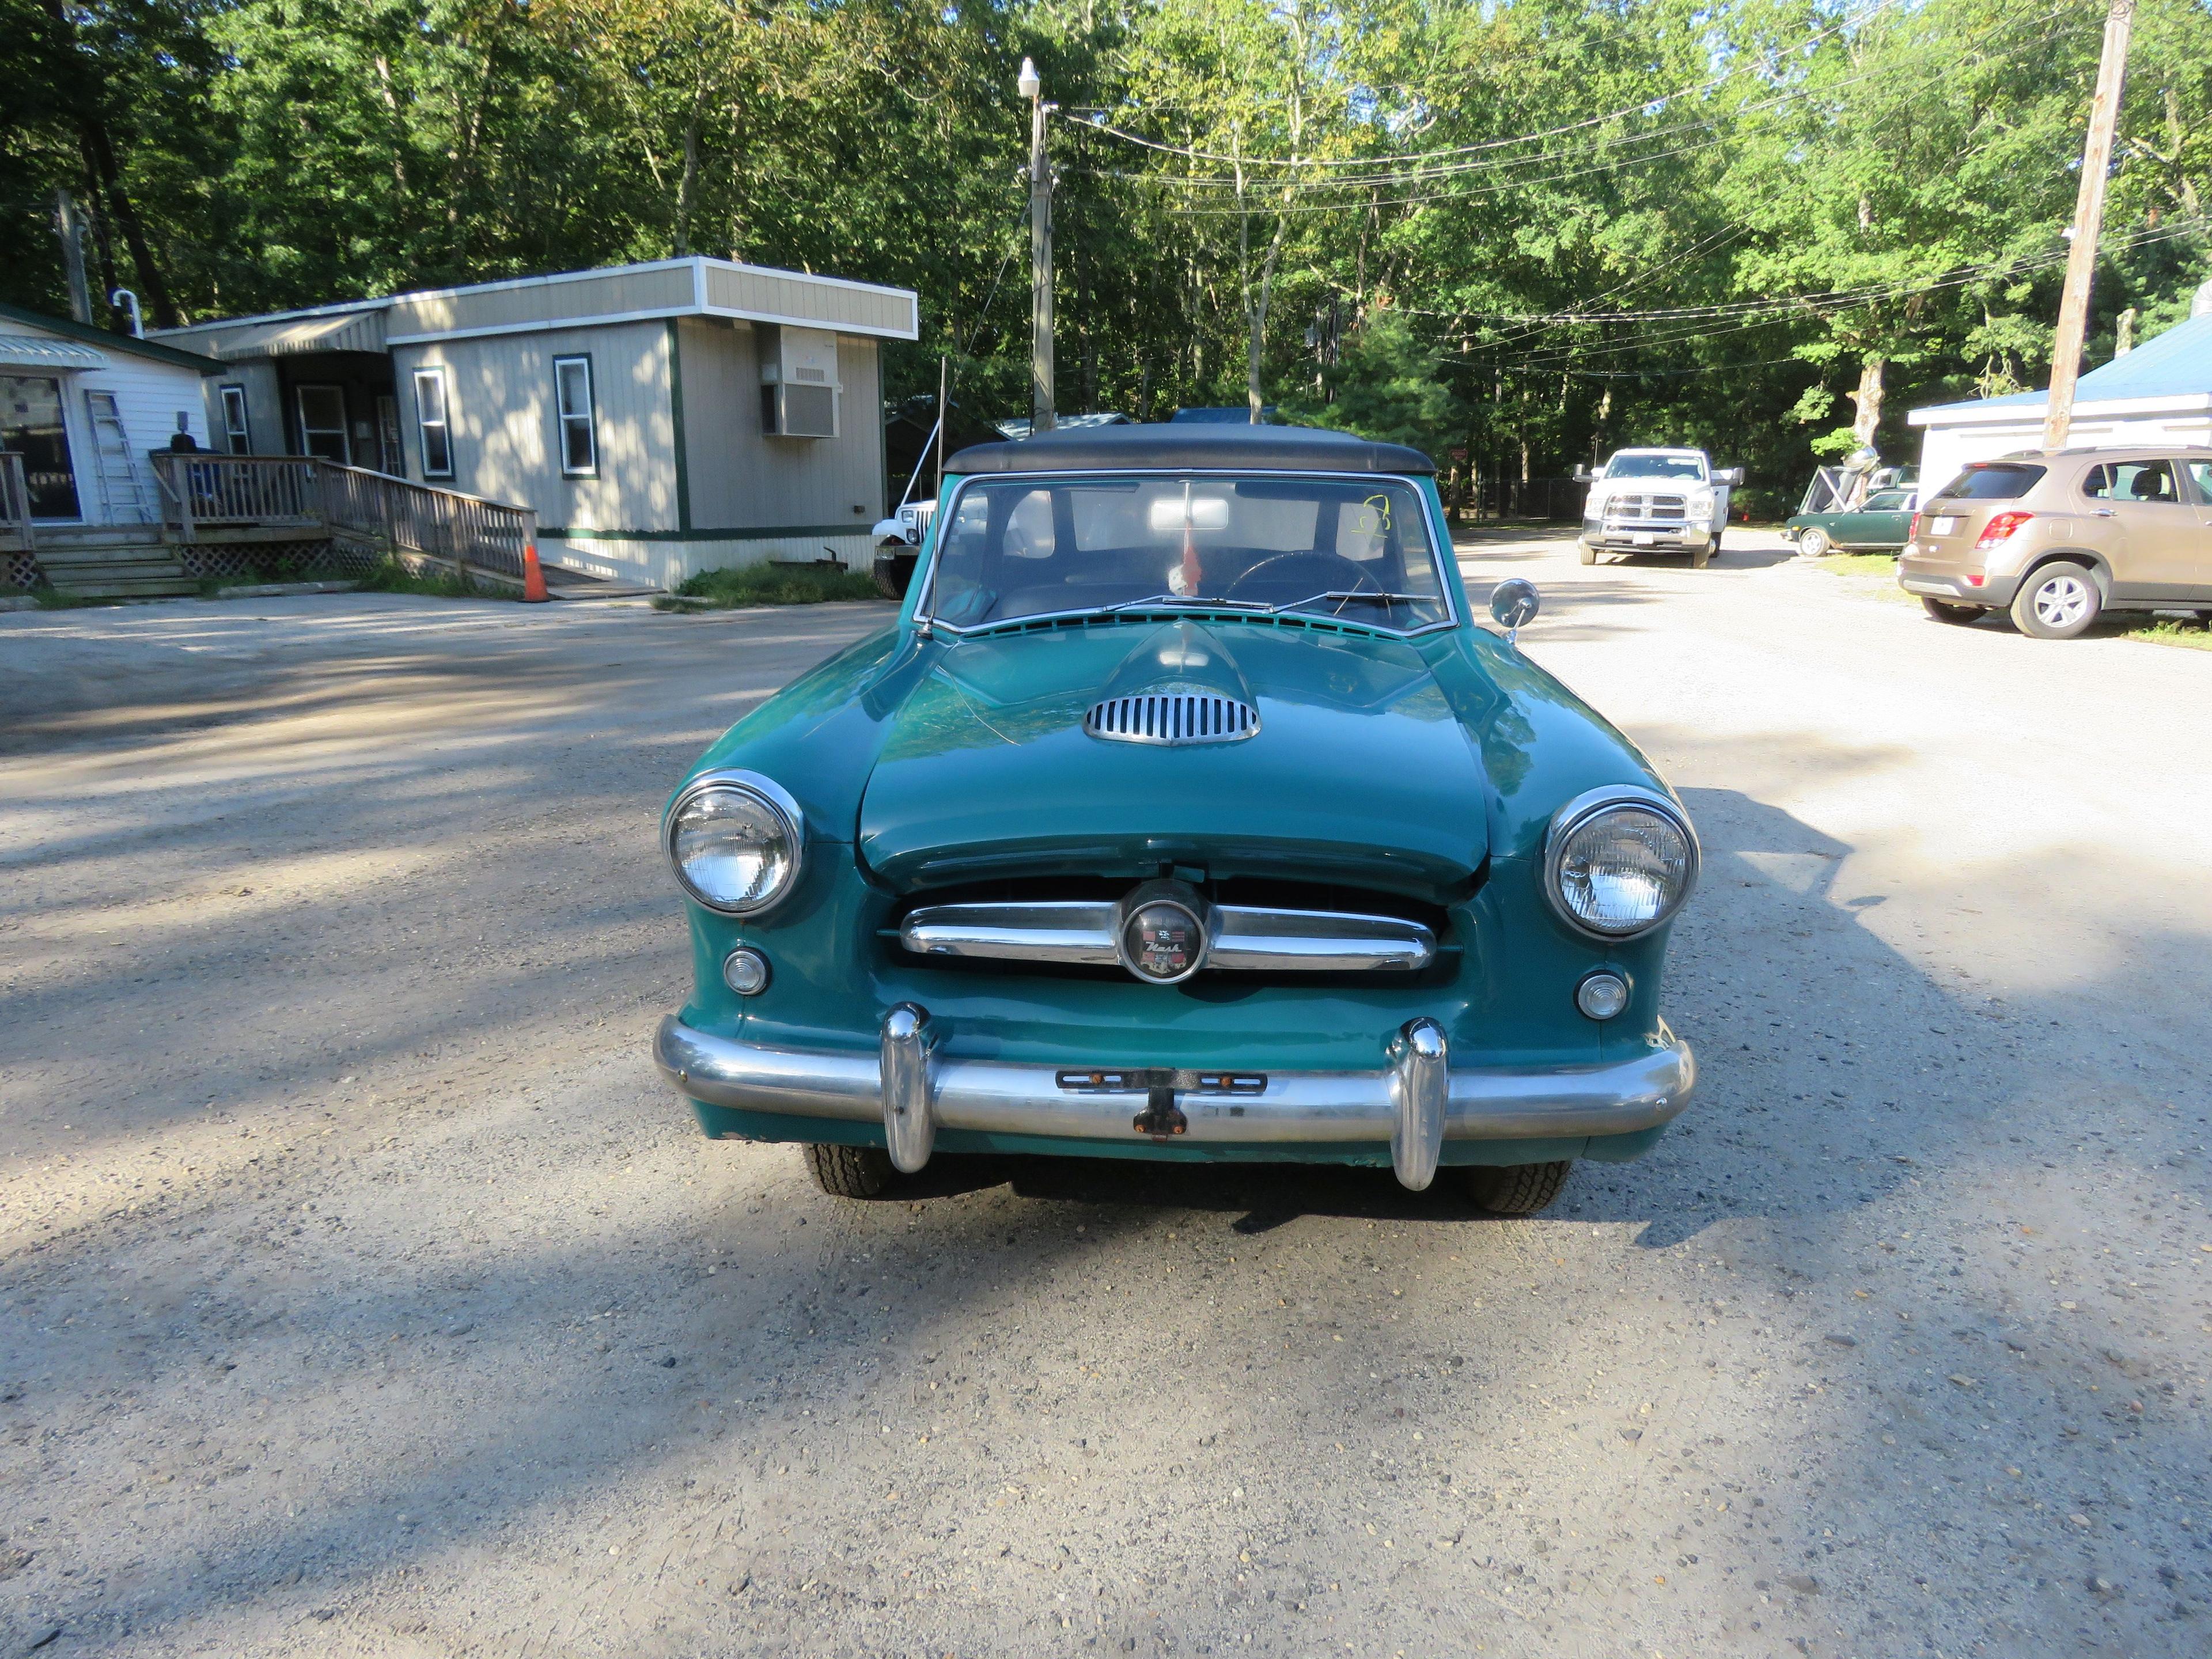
1756,979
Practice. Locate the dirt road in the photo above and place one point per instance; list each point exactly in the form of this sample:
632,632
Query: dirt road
362,1292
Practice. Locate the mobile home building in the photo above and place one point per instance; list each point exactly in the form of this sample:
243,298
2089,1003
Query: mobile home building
662,419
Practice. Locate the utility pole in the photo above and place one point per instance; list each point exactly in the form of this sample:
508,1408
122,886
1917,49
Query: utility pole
2088,224
69,226
1040,399
944,409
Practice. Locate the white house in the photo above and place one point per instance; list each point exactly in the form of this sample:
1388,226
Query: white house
664,418
2158,393
81,408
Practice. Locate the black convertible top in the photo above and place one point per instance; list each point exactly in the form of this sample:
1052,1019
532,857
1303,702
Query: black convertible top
1191,444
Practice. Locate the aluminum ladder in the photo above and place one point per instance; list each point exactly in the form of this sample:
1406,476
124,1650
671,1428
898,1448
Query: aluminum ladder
126,492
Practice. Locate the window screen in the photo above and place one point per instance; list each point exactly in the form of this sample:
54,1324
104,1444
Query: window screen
433,426
572,389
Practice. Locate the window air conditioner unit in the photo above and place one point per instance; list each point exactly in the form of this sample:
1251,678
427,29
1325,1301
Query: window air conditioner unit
799,381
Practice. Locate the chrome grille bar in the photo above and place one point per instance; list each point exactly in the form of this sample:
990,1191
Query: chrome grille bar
1241,939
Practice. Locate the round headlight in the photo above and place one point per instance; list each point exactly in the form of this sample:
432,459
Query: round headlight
1619,863
735,840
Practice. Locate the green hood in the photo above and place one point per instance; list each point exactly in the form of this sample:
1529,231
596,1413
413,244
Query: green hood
1359,774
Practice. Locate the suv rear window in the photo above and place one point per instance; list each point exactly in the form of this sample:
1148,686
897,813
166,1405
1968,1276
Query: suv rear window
1993,481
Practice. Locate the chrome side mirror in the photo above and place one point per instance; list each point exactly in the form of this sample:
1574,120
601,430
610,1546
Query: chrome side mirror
1732,476
1514,605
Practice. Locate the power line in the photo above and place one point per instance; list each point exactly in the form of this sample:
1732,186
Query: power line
1813,307
1275,188
1659,102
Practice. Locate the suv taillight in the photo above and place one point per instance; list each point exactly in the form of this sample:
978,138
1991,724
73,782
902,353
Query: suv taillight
1999,530
1913,530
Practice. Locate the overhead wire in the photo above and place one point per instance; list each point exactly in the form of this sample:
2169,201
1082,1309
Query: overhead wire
1395,173
1660,101
1799,308
1502,186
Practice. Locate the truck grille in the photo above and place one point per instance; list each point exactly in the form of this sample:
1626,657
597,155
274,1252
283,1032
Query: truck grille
1670,509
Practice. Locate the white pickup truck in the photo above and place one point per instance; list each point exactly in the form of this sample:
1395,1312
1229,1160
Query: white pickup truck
1646,500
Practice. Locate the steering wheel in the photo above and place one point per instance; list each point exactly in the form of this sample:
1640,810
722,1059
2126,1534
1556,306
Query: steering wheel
1330,573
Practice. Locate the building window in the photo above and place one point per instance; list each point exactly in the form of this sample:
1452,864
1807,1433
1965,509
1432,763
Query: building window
572,397
236,438
323,424
432,426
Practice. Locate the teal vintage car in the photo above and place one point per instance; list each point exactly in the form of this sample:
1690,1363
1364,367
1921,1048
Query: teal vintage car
1881,524
1185,812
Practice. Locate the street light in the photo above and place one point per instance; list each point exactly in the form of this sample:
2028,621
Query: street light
1029,84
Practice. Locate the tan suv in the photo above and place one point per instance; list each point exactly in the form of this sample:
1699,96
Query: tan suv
2058,536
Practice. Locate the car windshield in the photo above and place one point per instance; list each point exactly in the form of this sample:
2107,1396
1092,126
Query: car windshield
1997,481
1655,466
1018,547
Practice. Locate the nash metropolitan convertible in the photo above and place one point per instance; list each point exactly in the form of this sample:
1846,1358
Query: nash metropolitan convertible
1184,813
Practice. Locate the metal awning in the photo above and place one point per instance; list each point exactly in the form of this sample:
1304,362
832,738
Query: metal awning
38,351
348,331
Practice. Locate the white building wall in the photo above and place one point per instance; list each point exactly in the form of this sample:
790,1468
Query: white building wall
500,402
775,497
1946,448
150,396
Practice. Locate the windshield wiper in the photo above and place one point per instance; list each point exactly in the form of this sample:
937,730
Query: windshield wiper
1181,599
1354,593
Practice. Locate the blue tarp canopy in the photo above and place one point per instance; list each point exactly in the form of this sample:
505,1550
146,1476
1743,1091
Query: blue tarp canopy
2175,364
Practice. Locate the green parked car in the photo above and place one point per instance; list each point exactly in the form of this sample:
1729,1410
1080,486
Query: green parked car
1881,524
1184,813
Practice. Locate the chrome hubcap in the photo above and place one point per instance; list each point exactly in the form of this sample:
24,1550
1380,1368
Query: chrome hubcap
2061,603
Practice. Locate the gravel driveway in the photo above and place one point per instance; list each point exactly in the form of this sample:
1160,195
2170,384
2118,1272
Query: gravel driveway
365,1292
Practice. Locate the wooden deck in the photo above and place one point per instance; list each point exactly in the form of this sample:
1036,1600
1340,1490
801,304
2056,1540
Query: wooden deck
210,501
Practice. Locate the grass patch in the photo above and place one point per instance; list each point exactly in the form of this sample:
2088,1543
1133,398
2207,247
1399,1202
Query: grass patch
1859,564
2167,630
775,583
390,576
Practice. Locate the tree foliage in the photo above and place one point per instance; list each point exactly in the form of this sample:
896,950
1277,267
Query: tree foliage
1515,231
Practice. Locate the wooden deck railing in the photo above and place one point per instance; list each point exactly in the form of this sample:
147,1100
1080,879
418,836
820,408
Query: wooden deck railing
15,503
237,491
466,531
264,493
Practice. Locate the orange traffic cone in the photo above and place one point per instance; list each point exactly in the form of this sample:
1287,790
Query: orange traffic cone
533,578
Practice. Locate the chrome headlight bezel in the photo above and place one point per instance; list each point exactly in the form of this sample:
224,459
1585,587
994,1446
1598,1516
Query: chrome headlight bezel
779,804
1593,804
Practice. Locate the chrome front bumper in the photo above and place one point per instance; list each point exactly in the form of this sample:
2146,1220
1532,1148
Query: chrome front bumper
1415,1103
1655,533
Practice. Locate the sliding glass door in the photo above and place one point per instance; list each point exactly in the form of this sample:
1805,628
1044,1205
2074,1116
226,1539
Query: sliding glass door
31,425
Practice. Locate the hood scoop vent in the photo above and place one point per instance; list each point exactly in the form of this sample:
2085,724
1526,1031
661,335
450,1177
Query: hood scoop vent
1179,686
1173,718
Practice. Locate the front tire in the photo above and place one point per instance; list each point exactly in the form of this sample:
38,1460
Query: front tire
1517,1189
1812,542
2058,602
1586,552
850,1171
1702,555
1959,616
